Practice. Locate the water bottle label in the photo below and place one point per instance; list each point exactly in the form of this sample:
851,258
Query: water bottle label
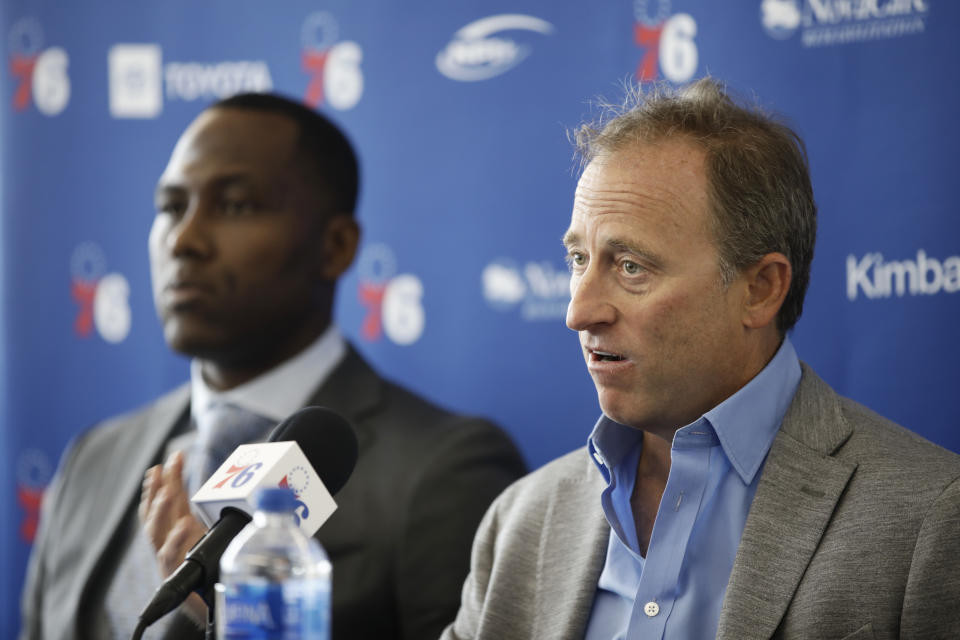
288,611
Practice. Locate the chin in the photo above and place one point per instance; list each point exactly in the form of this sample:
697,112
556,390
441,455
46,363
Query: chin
618,412
194,343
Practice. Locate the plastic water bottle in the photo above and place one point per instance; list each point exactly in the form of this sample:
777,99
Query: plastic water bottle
274,579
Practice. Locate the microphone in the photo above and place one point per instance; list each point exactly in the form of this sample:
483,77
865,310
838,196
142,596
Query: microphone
313,452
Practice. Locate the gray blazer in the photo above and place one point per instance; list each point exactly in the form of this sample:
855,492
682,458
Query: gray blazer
399,541
854,533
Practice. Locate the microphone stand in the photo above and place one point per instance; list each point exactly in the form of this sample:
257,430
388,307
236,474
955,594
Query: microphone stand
210,599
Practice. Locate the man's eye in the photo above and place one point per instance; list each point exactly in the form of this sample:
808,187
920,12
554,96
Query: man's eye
238,207
576,259
631,268
172,208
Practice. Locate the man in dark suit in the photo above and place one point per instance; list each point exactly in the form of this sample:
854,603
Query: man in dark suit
254,226
726,491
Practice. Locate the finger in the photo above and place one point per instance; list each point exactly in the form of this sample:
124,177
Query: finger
173,484
173,471
169,504
182,536
177,462
148,490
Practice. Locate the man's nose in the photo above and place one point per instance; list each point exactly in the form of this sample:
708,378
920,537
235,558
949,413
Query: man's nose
192,235
590,301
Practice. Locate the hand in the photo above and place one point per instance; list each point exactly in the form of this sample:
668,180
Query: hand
169,524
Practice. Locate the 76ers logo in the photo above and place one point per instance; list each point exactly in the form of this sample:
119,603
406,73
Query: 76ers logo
297,481
334,67
394,302
41,73
102,298
667,41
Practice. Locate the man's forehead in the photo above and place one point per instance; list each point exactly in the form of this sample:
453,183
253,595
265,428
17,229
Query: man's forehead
643,156
235,141
240,133
661,184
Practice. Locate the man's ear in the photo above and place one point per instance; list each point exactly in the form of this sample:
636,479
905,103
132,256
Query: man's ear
341,235
768,282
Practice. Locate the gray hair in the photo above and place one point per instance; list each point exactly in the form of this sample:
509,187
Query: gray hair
757,173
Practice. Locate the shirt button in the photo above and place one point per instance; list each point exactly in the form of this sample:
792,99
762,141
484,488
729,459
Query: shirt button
651,609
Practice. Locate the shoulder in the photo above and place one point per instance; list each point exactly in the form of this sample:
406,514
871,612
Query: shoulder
892,463
894,459
573,475
383,407
119,432
109,446
411,424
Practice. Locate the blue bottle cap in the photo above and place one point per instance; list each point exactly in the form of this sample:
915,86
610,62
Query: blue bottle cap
276,499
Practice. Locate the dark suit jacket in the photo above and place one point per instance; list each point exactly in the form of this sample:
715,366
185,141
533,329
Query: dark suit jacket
854,533
399,541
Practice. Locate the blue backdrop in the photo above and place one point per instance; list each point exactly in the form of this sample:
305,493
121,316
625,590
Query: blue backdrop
459,112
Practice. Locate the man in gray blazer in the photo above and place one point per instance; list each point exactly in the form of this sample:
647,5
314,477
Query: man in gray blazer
254,226
726,491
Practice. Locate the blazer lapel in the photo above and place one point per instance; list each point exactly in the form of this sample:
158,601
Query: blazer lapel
142,446
354,391
571,555
796,496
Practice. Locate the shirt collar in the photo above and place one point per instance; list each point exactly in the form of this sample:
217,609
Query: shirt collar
745,423
280,391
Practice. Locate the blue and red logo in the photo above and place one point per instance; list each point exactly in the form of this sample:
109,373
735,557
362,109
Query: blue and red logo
102,298
394,303
33,474
41,74
297,481
667,40
334,67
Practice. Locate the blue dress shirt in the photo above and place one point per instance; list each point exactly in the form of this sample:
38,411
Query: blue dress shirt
676,591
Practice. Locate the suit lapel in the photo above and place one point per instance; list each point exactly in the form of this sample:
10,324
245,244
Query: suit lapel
142,445
354,391
571,556
797,494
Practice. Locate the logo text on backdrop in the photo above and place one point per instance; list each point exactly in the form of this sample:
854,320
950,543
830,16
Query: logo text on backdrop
837,22
479,51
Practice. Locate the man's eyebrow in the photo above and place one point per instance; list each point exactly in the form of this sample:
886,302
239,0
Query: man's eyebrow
573,239
242,178
619,244
167,189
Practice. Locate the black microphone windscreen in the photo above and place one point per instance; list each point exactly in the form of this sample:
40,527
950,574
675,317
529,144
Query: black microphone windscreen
326,439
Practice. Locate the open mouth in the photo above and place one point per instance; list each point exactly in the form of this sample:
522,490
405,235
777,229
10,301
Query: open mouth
604,356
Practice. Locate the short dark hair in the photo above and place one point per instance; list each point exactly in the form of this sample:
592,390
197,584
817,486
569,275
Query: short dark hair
757,172
323,146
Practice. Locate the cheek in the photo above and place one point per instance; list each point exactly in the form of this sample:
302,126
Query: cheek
158,231
275,263
678,327
155,242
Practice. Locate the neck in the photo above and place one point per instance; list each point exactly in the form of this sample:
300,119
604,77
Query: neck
652,474
225,373
654,458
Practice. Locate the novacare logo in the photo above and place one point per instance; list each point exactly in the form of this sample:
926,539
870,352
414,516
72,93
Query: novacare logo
540,289
923,276
838,22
